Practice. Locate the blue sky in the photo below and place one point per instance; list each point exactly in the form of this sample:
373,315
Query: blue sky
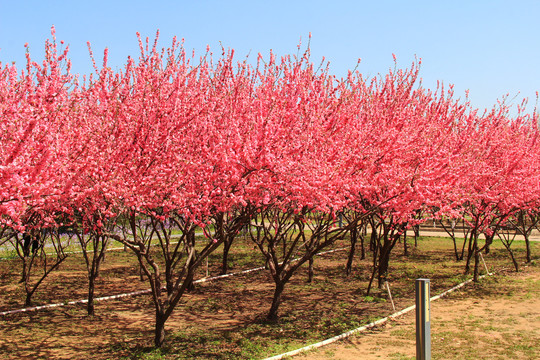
490,48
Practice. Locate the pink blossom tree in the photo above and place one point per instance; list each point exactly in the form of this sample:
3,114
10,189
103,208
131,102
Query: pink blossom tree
33,176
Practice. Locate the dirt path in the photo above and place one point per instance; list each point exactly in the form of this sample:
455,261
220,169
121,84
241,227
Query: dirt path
499,319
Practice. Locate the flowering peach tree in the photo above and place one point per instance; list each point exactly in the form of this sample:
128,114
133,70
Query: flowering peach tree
175,155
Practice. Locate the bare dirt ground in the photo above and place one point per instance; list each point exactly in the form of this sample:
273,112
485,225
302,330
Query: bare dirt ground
222,320
484,321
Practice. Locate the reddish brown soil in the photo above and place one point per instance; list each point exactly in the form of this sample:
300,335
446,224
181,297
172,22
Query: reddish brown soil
228,311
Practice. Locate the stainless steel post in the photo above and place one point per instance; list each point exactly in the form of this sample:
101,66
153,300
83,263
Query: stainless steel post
423,321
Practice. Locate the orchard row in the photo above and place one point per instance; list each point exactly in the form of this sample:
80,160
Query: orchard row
280,149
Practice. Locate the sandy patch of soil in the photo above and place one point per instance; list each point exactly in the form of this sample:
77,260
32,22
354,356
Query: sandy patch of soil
480,322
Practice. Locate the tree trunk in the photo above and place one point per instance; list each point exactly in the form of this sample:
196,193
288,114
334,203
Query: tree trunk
528,248
159,332
371,278
225,258
23,276
469,255
310,270
91,287
476,259
373,239
456,253
273,313
362,248
463,249
516,266
405,248
489,241
28,299
354,237
190,284
141,273
373,271
384,261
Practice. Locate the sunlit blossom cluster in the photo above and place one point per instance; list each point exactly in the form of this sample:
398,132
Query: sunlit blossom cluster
171,132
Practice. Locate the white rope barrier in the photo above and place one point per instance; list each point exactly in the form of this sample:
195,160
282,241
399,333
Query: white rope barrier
82,301
141,292
364,327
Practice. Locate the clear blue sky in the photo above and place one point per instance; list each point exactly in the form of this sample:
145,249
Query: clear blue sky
489,47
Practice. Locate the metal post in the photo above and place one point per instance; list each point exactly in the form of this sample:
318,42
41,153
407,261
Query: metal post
423,321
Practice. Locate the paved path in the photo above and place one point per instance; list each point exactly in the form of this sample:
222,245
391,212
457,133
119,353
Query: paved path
535,235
